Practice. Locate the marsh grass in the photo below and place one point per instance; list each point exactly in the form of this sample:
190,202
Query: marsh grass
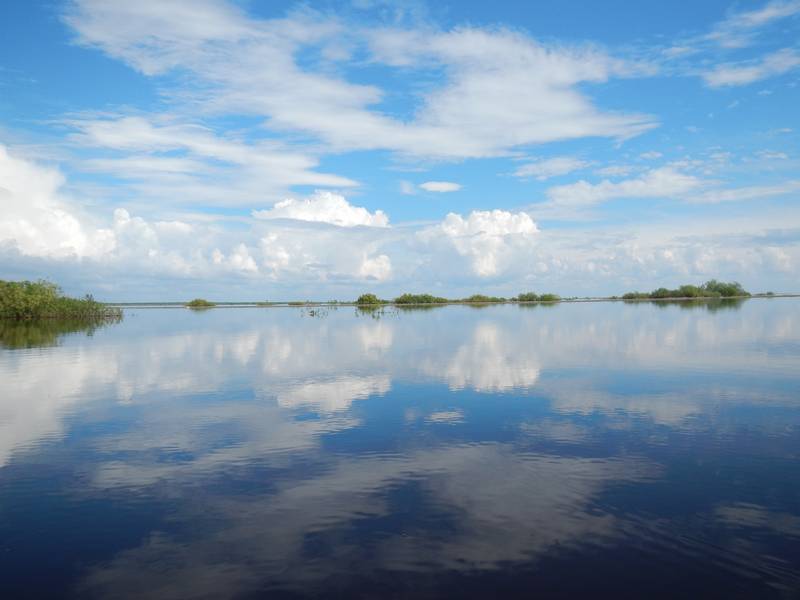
36,300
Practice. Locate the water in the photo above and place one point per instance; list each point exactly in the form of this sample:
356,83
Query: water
636,450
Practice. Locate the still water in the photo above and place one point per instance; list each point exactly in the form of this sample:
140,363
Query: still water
628,450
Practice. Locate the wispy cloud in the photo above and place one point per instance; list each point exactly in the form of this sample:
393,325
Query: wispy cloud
224,50
743,73
551,167
440,186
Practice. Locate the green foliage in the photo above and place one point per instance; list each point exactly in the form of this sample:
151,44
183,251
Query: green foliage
726,290
710,289
200,303
420,299
27,300
636,296
368,299
481,299
527,297
549,298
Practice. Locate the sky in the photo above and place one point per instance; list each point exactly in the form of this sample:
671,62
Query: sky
164,149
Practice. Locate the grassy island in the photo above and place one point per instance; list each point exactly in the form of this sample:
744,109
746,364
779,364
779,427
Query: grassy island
710,289
429,299
200,303
33,300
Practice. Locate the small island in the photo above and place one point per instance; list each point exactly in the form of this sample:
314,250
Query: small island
710,289
199,303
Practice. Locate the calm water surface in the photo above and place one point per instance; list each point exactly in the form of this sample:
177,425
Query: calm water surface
598,449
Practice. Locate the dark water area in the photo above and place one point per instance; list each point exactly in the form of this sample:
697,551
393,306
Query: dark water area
598,449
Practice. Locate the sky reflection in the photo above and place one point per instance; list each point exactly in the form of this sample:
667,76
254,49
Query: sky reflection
252,450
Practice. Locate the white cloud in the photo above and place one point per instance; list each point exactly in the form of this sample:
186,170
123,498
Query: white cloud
490,241
42,229
737,30
747,193
663,182
771,65
652,155
36,217
39,221
616,170
325,207
407,188
773,155
440,186
225,50
551,167
161,156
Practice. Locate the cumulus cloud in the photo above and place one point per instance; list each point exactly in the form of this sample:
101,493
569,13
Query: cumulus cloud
440,186
325,207
551,167
36,218
325,242
39,221
771,65
490,241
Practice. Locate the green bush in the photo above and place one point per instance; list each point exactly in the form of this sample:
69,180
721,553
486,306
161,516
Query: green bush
527,297
481,299
25,300
420,299
710,289
200,303
726,290
366,299
549,298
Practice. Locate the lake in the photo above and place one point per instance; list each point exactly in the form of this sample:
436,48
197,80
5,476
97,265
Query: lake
615,449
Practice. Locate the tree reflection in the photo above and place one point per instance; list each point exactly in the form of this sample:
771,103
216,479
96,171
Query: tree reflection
41,333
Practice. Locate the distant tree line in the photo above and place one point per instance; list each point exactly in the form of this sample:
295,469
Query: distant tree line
420,299
710,289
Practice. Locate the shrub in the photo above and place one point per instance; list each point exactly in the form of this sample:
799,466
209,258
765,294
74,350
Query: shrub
549,298
200,303
368,299
527,297
419,299
25,300
481,299
726,290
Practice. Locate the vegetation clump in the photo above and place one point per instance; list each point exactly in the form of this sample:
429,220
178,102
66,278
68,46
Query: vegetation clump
549,298
710,289
420,299
527,297
199,303
29,300
368,299
481,299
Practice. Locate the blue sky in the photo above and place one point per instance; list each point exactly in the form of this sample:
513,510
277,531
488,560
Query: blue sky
246,150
